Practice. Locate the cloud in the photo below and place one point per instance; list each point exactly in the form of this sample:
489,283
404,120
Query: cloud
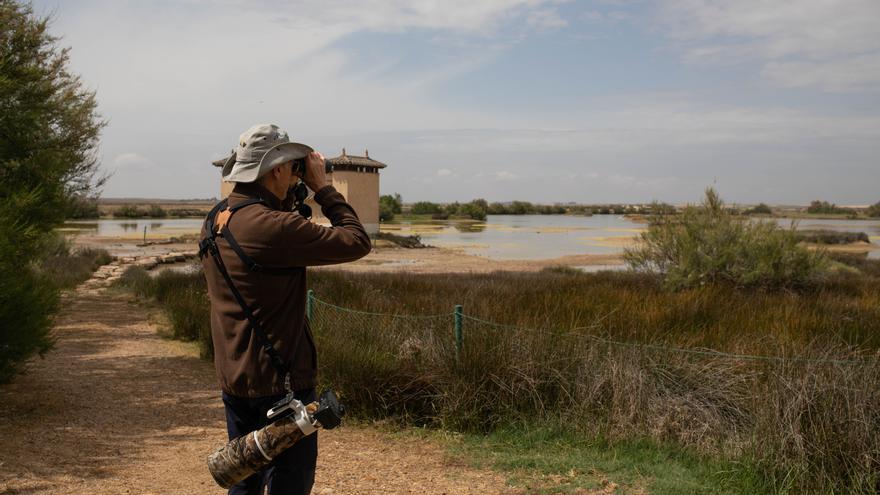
799,43
500,176
853,73
444,172
546,19
132,161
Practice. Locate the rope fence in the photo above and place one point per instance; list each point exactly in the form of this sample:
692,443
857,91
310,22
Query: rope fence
456,322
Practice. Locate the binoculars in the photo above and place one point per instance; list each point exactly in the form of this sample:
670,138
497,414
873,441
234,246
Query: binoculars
299,166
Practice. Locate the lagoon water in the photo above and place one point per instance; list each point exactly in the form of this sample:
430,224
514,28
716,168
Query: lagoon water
527,236
499,237
134,228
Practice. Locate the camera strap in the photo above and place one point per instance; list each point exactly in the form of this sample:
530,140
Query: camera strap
208,246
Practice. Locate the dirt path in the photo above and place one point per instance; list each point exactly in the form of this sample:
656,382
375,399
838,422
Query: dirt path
115,409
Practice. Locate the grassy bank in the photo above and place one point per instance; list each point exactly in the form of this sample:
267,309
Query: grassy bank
552,459
536,351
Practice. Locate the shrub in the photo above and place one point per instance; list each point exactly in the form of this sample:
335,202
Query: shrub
70,268
425,208
759,209
128,211
826,208
475,210
386,213
156,211
832,237
873,211
138,281
83,207
707,245
28,303
520,208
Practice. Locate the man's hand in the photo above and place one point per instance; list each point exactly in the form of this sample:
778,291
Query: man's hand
315,176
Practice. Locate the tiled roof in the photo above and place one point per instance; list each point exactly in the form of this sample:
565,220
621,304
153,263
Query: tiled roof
362,161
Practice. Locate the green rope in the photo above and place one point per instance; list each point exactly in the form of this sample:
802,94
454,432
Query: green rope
654,347
390,315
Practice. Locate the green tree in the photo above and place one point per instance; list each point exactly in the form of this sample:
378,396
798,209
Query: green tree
521,208
873,211
425,208
497,209
49,132
394,203
476,209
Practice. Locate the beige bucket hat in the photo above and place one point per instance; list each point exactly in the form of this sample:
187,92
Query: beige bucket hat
260,149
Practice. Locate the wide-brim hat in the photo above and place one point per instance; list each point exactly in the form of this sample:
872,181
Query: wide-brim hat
260,149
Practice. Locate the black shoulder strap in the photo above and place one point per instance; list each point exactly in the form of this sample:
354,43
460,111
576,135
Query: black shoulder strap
247,260
209,246
251,201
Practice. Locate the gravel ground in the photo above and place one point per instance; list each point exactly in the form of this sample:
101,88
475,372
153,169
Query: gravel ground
115,409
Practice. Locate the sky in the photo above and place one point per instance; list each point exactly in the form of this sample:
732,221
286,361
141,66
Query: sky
537,100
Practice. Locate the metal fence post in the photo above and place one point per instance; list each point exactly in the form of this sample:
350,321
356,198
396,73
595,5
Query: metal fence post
310,305
458,335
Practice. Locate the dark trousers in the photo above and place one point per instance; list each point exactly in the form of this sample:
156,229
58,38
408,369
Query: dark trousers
291,473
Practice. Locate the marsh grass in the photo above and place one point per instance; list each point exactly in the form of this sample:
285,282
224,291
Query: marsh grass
64,266
595,356
534,352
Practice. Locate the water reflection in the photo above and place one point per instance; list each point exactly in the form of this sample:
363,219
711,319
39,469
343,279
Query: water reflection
118,228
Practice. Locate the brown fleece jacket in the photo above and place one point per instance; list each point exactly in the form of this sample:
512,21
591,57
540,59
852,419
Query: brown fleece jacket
277,238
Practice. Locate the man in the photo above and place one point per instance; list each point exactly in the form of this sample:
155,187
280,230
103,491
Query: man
264,248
